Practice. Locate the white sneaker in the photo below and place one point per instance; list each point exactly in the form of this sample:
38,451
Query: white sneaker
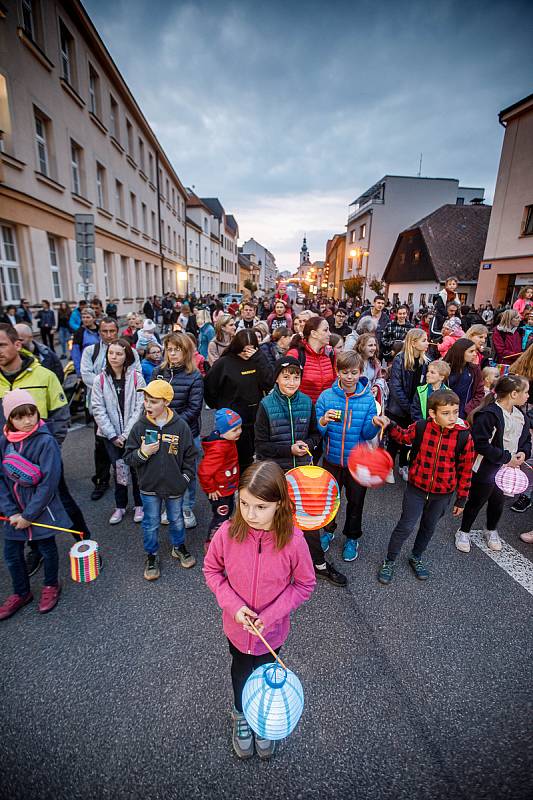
493,540
164,518
390,477
404,472
138,514
462,541
189,518
117,516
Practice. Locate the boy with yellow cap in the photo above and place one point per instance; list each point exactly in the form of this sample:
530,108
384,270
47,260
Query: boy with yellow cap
160,448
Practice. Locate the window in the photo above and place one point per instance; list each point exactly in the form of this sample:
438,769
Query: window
173,199
148,275
410,298
402,258
54,267
395,299
352,236
133,204
174,238
169,243
168,191
75,165
41,139
124,268
416,256
423,299
460,201
113,118
154,226
66,49
362,230
94,92
101,186
144,218
151,167
138,287
9,266
108,274
119,200
528,221
129,135
206,226
141,154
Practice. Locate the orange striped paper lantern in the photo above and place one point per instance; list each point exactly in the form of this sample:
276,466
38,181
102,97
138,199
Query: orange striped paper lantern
315,494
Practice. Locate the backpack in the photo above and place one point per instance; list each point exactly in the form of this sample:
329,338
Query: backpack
421,424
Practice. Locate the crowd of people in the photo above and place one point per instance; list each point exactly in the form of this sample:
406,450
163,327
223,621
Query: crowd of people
446,390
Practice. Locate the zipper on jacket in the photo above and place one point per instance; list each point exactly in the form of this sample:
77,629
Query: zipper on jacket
346,407
255,581
434,464
292,428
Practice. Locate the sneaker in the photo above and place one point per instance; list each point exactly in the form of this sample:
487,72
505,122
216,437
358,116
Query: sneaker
183,556
527,537
325,540
493,541
264,747
242,738
350,550
33,561
331,575
117,516
189,518
12,604
417,565
164,518
49,598
99,490
151,567
386,573
462,541
403,472
390,477
138,514
521,504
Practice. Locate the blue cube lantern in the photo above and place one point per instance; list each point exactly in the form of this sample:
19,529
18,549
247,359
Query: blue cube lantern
272,701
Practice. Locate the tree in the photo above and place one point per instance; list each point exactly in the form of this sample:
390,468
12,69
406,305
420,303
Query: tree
305,288
250,285
376,285
354,286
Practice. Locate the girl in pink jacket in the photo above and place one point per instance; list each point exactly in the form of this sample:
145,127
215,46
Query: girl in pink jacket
259,568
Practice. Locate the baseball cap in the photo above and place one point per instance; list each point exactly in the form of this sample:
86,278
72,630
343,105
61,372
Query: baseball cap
226,420
284,362
159,390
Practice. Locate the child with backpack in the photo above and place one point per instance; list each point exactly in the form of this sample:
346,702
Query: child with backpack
29,479
347,416
259,569
218,471
436,375
501,436
442,455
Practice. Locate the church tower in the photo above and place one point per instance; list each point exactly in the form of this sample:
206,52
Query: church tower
304,254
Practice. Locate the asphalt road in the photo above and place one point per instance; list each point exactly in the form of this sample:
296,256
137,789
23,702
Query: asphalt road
412,691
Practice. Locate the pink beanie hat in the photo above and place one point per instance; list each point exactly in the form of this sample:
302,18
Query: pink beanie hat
14,399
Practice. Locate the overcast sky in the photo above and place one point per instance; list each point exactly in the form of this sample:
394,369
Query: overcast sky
287,111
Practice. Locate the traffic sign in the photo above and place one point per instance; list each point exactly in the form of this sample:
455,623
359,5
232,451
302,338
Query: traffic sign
86,288
84,226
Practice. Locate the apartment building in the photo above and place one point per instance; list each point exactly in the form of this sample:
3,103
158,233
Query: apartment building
382,212
74,140
507,264
228,236
203,247
266,264
335,258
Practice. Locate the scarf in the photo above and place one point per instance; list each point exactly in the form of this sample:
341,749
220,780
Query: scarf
19,436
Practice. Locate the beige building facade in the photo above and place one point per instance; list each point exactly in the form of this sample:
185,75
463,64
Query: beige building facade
507,264
74,141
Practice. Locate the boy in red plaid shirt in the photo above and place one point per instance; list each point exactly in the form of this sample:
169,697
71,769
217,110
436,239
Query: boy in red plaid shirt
442,456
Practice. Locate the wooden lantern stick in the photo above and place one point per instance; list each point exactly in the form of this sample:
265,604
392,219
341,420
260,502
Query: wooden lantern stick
273,652
52,527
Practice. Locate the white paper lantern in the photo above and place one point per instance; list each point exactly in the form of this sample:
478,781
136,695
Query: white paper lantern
511,480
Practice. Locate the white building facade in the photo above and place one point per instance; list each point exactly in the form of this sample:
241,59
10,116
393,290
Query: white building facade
74,141
266,263
382,212
203,247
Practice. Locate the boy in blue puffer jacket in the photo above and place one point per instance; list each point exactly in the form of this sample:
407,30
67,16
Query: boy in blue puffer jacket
347,416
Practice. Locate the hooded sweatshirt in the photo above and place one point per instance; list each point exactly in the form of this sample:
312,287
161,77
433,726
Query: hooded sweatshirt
218,470
238,383
354,426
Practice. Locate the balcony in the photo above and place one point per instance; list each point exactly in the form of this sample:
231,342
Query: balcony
362,208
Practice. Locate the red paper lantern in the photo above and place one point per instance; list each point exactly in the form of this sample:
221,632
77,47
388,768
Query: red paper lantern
315,494
369,466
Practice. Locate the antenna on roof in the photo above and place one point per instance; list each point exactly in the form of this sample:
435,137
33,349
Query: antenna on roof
420,166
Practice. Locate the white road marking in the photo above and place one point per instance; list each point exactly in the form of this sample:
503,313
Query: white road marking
510,560
77,426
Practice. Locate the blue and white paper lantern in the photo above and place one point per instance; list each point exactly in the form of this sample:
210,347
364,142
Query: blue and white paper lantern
272,701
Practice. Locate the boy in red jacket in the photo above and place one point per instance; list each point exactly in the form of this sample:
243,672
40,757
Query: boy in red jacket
218,472
441,460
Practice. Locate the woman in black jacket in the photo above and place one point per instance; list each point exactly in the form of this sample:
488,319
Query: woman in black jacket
239,379
179,369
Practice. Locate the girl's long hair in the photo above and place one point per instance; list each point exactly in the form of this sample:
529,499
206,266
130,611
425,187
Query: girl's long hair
455,356
360,344
408,349
130,358
506,321
266,481
502,388
242,339
186,346
222,320
524,364
299,339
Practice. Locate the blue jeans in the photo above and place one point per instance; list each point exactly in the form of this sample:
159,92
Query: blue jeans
152,517
14,556
64,336
189,498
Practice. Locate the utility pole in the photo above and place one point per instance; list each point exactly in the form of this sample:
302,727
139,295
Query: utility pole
420,166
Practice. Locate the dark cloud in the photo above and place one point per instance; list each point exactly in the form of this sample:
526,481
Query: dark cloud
289,108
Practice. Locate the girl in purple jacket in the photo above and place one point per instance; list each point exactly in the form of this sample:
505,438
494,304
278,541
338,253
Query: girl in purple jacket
259,568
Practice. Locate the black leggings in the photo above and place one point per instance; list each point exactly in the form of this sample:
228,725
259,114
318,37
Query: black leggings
481,493
355,496
394,448
242,666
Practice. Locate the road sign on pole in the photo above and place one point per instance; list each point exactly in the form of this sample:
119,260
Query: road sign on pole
85,253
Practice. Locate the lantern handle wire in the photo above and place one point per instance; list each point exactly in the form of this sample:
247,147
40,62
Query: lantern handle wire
52,527
309,453
273,652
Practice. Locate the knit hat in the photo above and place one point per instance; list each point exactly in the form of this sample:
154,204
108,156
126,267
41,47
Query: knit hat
149,325
452,323
226,420
284,362
16,398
